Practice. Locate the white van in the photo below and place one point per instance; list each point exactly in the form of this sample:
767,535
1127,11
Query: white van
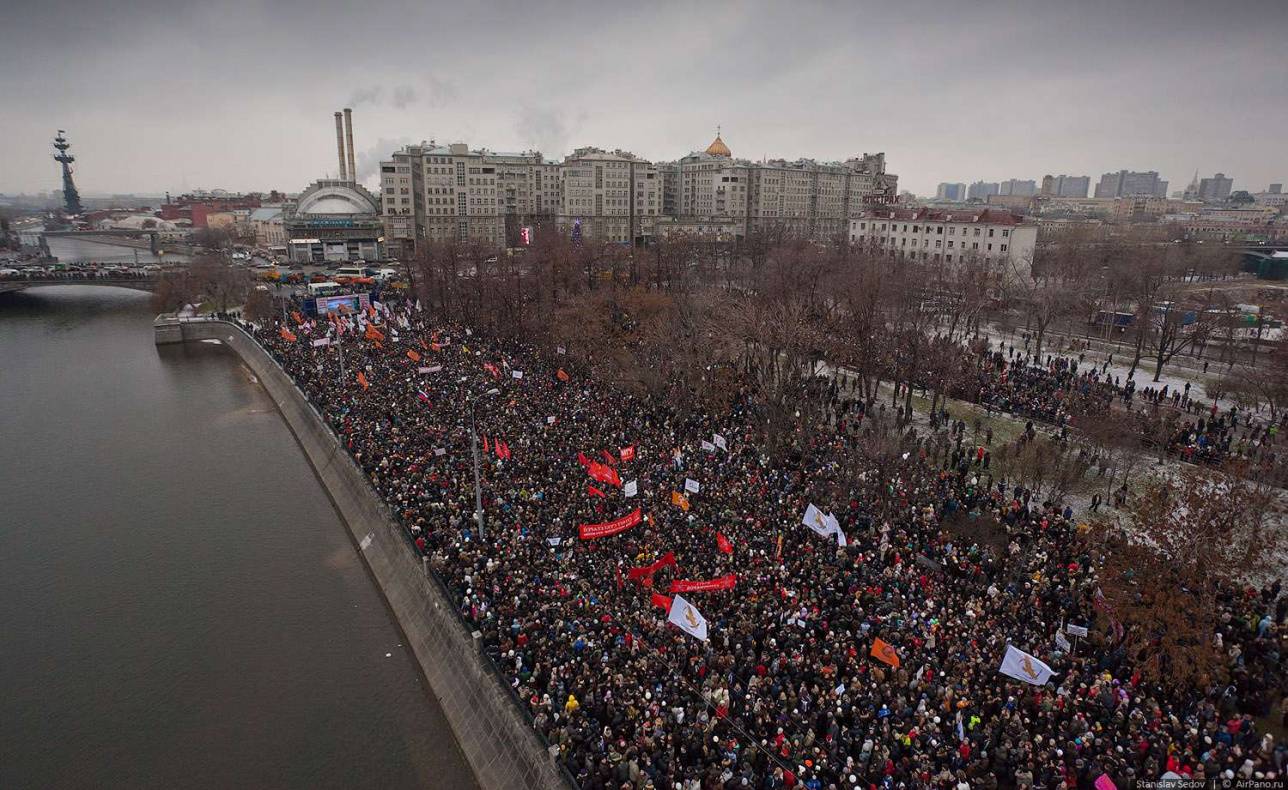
351,271
322,289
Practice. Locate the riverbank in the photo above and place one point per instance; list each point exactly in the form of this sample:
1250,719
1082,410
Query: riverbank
499,744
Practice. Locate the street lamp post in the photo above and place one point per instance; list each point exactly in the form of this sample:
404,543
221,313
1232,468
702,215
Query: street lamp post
478,490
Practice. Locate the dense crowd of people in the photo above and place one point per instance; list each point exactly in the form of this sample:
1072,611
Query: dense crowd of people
785,692
1059,390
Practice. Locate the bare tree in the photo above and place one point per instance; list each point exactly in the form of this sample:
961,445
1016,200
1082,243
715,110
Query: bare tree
1190,534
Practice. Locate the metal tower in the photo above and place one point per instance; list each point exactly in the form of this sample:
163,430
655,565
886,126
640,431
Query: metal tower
71,198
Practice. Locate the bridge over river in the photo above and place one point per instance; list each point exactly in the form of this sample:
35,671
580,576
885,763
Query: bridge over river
137,282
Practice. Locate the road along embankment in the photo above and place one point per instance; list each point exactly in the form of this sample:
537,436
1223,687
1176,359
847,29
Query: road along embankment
498,742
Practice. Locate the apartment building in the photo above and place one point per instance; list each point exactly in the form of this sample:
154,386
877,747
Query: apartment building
610,196
805,197
432,192
1125,183
1065,186
954,236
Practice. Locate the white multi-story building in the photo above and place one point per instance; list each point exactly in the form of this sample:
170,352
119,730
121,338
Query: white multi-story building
989,235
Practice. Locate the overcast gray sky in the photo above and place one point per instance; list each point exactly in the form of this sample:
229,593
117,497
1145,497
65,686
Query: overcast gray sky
238,94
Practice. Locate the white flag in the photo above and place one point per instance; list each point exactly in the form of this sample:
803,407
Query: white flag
708,446
561,350
687,617
691,485
816,520
440,451
323,341
1022,666
840,538
832,524
554,541
518,374
550,420
630,489
1062,642
424,370
720,441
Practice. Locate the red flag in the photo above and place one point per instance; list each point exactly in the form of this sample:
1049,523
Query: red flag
505,447
490,368
609,528
619,577
646,571
726,582
562,375
723,543
485,446
362,379
422,344
582,459
661,601
413,356
604,474
608,458
592,491
496,448
288,335
628,453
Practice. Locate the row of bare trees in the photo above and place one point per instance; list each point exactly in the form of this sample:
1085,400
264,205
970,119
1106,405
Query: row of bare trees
1167,291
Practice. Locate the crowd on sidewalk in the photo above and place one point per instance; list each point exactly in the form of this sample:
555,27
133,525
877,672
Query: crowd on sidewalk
787,689
1060,390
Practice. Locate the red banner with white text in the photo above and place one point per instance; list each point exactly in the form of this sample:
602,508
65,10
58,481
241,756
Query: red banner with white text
609,528
725,582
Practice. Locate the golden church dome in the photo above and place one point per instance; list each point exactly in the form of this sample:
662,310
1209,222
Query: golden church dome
718,147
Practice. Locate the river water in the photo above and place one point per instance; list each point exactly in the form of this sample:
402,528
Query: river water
179,604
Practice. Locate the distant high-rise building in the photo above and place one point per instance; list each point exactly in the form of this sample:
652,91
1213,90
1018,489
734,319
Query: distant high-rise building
1126,183
980,190
1066,186
951,191
1018,188
1216,188
1276,189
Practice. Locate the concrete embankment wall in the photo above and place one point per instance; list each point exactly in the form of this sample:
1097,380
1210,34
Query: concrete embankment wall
500,745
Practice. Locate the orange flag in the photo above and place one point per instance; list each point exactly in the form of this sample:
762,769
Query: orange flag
562,375
288,335
883,651
362,379
373,333
680,500
299,319
413,356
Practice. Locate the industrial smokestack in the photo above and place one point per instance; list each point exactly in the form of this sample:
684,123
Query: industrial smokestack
339,144
348,133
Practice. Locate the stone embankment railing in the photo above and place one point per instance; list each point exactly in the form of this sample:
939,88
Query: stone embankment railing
492,727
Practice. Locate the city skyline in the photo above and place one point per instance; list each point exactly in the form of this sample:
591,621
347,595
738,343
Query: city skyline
210,102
